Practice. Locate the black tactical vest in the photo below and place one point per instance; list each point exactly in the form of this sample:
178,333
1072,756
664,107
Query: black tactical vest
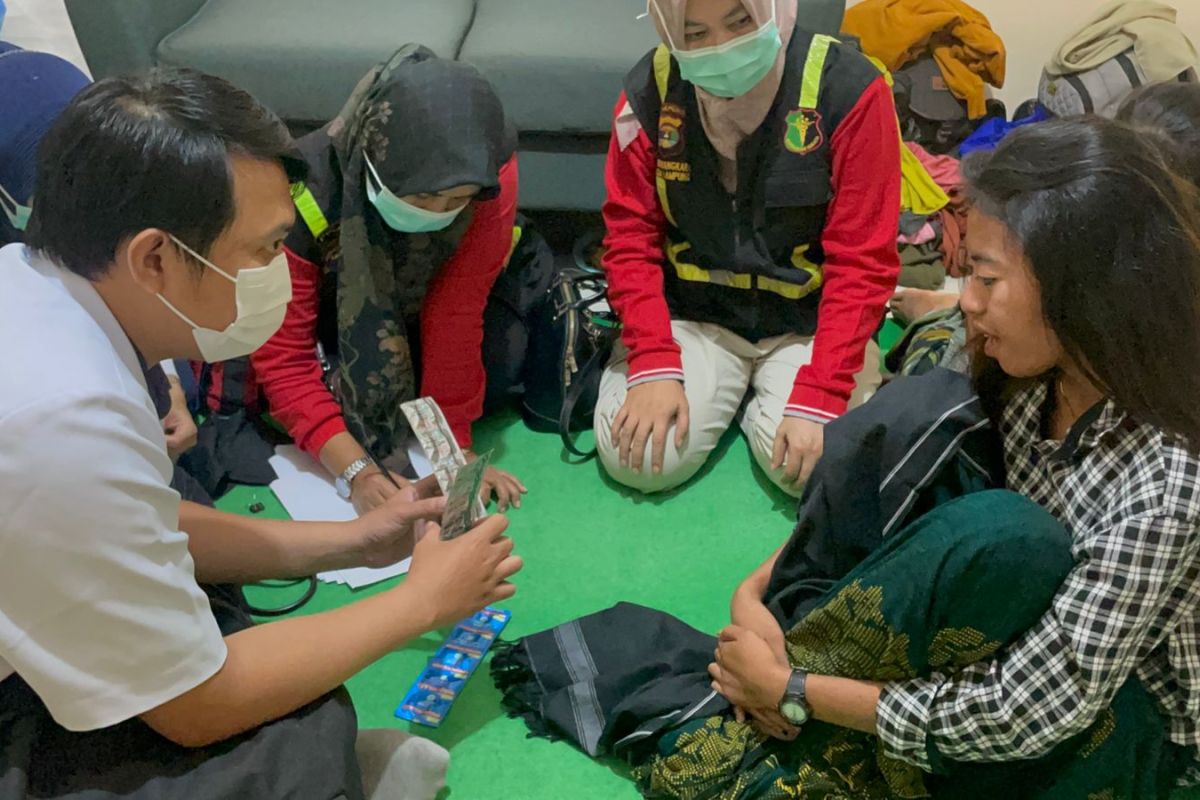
750,262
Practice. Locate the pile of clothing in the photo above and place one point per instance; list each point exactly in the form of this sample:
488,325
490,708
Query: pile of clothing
940,55
943,54
931,237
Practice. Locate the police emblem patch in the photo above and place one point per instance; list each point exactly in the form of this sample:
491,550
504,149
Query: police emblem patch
670,131
804,132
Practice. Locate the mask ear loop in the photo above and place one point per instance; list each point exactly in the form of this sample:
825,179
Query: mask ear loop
202,259
663,22
371,167
7,201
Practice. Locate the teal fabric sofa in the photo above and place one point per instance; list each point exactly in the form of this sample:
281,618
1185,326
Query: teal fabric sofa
557,64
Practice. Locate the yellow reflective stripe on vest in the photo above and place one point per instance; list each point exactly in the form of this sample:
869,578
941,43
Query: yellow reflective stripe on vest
310,212
662,77
690,272
662,70
739,280
793,291
512,248
814,68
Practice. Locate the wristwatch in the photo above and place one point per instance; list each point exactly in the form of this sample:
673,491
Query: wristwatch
343,481
794,705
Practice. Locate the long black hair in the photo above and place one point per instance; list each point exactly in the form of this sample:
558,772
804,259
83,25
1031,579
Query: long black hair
1171,109
1112,235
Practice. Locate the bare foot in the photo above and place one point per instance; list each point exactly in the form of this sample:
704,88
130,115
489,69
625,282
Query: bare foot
908,305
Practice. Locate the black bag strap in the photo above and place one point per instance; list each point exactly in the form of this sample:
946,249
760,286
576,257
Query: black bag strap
571,399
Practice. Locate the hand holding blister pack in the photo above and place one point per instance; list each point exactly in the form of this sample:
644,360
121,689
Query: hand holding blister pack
437,441
463,506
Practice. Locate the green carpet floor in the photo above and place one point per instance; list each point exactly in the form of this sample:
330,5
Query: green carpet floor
587,545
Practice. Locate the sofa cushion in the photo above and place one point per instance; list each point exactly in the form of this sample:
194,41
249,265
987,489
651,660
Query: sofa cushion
558,64
303,57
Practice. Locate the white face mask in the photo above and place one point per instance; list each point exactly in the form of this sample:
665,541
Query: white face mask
263,294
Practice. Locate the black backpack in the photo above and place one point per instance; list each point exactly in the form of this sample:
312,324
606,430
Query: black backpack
571,336
518,293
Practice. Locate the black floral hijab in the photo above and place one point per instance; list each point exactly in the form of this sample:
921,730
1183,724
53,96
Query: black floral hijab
427,124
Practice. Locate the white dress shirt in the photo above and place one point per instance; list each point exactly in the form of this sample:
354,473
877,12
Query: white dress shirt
100,612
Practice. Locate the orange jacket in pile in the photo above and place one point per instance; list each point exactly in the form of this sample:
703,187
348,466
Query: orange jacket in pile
963,43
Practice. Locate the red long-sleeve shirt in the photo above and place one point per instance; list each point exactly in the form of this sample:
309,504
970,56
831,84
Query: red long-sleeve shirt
286,367
861,261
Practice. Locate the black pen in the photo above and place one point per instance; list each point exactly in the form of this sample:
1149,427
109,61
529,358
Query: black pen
382,468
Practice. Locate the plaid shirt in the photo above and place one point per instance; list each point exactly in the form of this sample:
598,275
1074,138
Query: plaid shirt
1129,495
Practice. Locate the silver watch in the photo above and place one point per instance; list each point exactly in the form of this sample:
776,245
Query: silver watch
343,483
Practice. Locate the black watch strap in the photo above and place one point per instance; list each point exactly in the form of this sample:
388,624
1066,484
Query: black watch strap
794,706
797,686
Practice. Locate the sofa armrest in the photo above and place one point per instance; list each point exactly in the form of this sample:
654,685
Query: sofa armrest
119,36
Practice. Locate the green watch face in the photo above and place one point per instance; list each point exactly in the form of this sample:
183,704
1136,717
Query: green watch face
794,712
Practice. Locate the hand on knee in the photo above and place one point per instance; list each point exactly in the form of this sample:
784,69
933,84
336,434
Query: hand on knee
649,412
798,446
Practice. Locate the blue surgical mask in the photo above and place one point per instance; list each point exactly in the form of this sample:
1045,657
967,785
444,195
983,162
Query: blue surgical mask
18,215
733,68
402,216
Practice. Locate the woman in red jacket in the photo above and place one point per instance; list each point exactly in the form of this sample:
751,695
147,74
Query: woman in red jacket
404,224
753,199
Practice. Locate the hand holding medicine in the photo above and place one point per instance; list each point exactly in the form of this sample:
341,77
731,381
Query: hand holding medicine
463,575
389,533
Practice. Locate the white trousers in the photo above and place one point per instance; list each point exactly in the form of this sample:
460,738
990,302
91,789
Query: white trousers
719,369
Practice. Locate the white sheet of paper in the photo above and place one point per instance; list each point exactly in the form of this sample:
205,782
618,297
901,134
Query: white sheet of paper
308,494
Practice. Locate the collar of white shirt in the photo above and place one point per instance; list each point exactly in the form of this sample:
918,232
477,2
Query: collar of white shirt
85,294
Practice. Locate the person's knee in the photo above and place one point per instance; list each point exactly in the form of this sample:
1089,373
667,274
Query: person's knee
761,424
1004,546
679,466
1021,532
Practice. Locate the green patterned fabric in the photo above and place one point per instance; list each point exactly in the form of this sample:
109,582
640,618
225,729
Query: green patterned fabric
937,596
937,339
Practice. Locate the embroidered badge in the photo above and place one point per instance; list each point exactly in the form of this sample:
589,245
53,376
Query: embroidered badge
804,133
670,131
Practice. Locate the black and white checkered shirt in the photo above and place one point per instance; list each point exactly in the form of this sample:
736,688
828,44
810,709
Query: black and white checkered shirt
1129,495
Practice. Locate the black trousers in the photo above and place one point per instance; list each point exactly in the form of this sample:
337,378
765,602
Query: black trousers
308,755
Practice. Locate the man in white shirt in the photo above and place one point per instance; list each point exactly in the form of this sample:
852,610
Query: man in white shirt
155,194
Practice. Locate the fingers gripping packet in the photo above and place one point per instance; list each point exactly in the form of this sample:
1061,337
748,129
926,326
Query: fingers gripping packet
437,441
429,699
463,506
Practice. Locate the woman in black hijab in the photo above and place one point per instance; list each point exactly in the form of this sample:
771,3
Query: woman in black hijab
403,226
